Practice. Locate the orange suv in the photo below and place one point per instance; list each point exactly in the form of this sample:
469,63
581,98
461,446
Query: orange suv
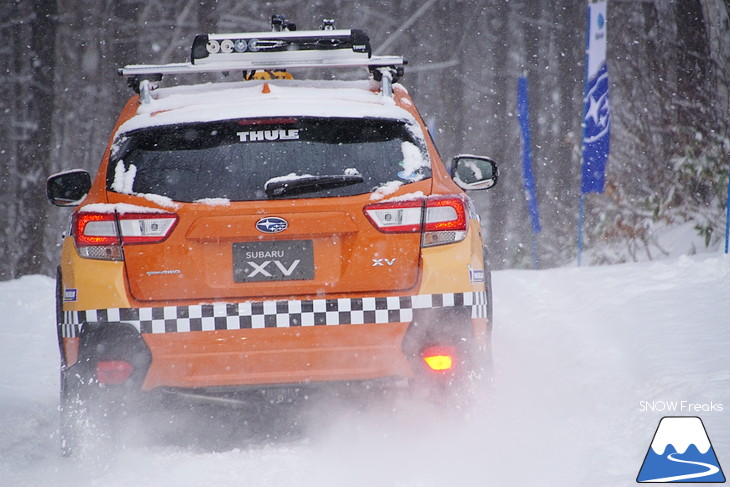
270,235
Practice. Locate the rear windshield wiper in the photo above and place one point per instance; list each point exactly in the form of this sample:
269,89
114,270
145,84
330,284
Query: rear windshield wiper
293,185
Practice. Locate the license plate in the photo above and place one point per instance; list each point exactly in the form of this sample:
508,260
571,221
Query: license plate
281,260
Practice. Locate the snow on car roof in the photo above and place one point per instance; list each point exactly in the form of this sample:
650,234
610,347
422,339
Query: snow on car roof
224,101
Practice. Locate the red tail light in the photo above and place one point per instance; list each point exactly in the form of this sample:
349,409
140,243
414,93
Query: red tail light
101,235
439,358
445,213
113,372
445,221
95,229
441,219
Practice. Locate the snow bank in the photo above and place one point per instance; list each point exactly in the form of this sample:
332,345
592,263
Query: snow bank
583,354
29,380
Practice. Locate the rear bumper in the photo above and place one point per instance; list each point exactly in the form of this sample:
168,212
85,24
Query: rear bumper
288,342
276,356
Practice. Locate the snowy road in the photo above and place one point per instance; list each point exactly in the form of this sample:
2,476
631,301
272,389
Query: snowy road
580,353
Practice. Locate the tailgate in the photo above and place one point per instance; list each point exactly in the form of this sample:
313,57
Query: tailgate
227,252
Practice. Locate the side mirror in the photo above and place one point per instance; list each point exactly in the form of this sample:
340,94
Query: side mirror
68,188
474,172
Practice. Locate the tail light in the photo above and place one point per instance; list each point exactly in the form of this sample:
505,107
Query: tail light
445,221
113,372
440,219
102,235
439,358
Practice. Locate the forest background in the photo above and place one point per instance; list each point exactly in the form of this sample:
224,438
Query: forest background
669,98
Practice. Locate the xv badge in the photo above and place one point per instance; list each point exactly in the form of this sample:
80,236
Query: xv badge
261,268
383,262
680,452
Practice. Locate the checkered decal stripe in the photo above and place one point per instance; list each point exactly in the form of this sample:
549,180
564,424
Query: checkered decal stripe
274,314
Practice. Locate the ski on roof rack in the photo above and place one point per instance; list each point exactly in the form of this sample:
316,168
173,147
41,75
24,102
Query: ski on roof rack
283,48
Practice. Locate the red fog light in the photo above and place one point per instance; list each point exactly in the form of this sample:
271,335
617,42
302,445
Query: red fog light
113,372
439,358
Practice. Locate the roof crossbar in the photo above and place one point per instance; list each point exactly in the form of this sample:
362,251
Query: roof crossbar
157,70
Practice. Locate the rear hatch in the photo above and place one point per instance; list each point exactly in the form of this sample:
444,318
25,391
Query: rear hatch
270,207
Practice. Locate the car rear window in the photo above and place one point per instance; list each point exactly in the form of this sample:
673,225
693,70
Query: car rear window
239,160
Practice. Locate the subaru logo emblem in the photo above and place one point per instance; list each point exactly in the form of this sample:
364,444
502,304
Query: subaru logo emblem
271,224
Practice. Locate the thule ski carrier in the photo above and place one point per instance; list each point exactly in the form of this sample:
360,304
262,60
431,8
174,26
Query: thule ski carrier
281,49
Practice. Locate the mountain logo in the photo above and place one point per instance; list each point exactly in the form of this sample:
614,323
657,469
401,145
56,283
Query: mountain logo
680,452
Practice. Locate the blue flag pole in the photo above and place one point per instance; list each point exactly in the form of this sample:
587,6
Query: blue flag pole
596,112
581,202
523,112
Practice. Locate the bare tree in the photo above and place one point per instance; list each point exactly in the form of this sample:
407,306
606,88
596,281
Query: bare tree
28,99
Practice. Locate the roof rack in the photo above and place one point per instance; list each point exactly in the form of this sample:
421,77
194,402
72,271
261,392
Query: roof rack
283,48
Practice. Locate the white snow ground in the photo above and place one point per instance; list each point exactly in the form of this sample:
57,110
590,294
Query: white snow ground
577,351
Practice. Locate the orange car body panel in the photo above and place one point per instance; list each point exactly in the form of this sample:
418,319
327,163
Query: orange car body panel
277,356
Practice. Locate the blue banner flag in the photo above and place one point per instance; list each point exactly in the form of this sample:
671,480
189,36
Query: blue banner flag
596,113
523,113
